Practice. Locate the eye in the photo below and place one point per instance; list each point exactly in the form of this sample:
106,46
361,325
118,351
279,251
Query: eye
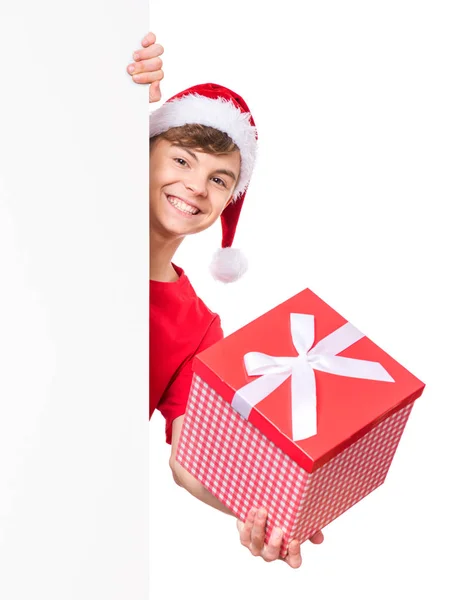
180,161
219,181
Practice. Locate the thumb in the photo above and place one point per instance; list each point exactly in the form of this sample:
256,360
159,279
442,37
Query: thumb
154,92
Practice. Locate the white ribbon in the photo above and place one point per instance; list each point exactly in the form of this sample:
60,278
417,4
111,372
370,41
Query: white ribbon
276,369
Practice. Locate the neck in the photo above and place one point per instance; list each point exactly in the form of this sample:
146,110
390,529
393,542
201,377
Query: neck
161,253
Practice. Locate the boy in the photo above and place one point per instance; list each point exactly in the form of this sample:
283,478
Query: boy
203,144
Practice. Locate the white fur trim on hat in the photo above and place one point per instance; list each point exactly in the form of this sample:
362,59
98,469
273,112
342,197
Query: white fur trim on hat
219,113
228,265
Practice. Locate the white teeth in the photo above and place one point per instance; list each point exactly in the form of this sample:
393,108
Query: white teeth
183,206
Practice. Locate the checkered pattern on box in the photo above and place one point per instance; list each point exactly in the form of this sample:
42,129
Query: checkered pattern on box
243,468
349,476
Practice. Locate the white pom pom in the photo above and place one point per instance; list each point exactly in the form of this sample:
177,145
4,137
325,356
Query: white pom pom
228,264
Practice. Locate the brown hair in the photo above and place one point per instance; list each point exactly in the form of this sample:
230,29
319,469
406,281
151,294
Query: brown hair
207,139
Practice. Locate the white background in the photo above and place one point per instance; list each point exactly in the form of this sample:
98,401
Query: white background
349,198
73,303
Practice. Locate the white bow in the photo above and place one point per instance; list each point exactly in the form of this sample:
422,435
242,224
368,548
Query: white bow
276,369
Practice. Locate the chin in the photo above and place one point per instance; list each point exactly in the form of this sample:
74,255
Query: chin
176,229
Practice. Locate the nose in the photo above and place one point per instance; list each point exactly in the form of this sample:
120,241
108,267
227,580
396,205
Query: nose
197,184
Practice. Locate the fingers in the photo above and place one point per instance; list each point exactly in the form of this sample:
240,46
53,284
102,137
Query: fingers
252,536
239,526
150,65
148,39
149,77
245,529
258,532
272,550
147,65
150,52
293,558
317,538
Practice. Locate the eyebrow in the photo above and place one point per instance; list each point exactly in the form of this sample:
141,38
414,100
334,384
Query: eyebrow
226,172
231,174
187,150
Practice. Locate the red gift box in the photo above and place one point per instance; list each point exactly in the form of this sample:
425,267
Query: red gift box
297,412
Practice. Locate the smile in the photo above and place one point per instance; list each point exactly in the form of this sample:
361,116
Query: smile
182,206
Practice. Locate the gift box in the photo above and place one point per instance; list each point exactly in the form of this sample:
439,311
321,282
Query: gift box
297,412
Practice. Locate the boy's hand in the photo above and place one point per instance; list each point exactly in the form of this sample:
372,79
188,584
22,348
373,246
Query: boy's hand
252,535
147,66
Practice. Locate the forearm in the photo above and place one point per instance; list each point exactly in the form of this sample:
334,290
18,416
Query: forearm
184,479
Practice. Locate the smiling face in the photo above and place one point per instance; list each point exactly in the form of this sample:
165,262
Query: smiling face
189,188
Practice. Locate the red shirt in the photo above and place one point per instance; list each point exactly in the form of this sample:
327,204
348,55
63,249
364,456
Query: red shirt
180,327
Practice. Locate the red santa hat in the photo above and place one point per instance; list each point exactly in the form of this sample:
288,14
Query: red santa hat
216,106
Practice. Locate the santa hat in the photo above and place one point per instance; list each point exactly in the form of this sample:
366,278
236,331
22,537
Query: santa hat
216,106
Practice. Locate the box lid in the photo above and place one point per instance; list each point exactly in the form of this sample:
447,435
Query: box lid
346,405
